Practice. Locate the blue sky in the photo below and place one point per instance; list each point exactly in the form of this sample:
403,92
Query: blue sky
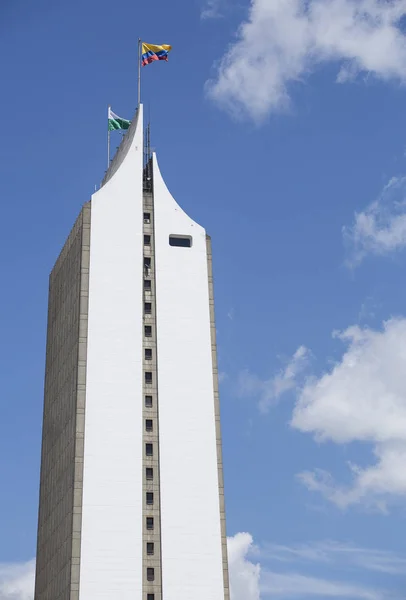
280,125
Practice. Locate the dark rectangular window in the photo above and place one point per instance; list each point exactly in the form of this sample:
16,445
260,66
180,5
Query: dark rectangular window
147,240
148,401
149,425
147,308
147,262
148,331
150,498
147,217
150,596
149,449
149,473
150,574
150,548
183,241
150,522
147,284
148,353
148,377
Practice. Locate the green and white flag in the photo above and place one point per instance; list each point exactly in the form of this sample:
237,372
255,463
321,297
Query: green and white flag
116,122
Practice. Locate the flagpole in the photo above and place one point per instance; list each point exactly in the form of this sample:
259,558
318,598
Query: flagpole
108,137
139,71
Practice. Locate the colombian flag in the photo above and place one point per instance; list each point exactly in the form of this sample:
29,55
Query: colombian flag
151,52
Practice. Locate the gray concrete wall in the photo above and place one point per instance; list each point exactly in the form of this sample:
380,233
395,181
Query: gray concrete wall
59,520
217,415
154,561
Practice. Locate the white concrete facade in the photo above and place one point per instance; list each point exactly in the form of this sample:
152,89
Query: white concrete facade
190,513
111,540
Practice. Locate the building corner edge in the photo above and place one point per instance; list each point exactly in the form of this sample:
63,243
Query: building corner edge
217,419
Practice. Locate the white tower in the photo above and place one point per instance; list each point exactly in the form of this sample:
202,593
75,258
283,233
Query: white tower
132,498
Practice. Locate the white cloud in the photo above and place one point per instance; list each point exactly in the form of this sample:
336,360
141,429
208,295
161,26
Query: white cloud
282,41
17,581
231,314
251,581
211,9
362,398
381,228
368,309
222,376
338,554
294,585
271,390
244,575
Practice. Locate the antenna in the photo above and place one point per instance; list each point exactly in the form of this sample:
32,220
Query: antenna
147,159
149,152
149,140
146,146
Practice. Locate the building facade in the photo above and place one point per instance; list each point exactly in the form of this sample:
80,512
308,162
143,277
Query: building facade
131,494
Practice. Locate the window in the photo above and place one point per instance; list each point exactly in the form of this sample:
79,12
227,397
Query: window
183,241
148,331
147,240
150,498
147,308
149,473
150,574
147,284
150,548
149,449
148,377
147,262
150,523
149,425
150,596
148,353
148,401
147,217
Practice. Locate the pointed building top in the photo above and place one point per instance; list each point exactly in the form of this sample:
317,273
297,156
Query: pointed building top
126,144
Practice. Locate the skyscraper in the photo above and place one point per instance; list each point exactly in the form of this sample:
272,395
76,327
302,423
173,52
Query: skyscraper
131,495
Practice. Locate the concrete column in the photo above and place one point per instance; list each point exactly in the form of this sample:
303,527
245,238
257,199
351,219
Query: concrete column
151,414
217,416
